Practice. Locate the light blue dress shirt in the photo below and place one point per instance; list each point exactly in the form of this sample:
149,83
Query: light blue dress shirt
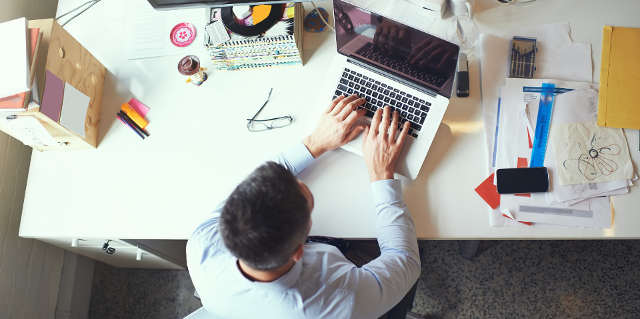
323,284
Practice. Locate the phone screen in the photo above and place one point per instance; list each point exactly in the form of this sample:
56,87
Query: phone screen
522,180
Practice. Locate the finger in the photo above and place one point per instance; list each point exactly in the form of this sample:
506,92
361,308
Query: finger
365,133
375,122
350,108
354,116
355,132
403,135
423,52
436,53
394,126
384,126
393,33
417,52
376,36
443,61
334,103
402,33
342,104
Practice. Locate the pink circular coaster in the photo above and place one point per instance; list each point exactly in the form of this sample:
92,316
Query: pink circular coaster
183,34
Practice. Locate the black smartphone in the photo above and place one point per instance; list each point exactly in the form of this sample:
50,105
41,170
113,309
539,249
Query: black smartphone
522,180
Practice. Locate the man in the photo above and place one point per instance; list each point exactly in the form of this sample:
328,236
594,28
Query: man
250,260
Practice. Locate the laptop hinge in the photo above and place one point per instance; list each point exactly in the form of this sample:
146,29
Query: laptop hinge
392,77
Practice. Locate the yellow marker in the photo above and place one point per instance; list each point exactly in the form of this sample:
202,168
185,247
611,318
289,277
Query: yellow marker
137,118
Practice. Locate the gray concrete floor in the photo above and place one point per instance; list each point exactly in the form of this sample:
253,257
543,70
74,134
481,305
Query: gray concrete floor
508,279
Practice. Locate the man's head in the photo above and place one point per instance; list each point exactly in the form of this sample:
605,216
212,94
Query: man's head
267,217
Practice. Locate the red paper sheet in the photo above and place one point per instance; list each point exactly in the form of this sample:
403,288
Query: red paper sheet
489,192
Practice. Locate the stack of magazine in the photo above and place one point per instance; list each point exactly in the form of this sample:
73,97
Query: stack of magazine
280,45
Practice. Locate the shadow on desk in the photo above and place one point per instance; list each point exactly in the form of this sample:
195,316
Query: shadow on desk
418,189
113,95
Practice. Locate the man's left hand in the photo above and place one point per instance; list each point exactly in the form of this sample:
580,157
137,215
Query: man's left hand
337,125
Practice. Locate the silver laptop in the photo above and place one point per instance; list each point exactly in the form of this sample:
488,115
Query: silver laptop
392,64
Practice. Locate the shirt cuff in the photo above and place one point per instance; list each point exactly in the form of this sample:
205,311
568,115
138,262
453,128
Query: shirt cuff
386,191
298,158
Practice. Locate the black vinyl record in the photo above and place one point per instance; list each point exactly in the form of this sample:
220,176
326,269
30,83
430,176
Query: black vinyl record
230,21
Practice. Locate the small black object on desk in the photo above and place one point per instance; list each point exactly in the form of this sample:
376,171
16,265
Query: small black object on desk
462,89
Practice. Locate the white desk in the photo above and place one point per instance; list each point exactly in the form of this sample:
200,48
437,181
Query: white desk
199,148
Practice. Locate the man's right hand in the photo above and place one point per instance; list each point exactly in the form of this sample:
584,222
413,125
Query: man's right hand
383,143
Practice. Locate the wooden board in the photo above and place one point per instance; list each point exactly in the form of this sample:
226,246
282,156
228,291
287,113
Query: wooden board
65,57
72,63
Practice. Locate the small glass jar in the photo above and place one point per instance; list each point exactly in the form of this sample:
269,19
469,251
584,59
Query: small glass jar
190,66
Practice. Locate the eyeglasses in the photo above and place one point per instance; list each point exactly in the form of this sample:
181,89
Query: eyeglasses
254,125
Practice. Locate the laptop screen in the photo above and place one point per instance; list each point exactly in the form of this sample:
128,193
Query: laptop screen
396,48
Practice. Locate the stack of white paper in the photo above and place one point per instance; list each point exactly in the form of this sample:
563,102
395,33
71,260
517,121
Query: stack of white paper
510,117
14,63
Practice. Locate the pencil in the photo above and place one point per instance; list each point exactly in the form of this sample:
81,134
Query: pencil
131,126
132,122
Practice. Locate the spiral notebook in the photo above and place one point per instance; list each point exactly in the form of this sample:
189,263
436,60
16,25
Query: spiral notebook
280,45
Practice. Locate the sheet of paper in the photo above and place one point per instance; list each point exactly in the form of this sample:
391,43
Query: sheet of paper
14,63
588,153
29,131
488,191
151,29
578,192
74,109
595,213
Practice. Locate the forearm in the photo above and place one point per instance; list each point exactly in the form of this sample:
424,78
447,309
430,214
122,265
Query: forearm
296,158
394,226
386,279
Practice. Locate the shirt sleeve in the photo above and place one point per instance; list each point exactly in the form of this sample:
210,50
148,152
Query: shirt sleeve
206,241
384,281
296,159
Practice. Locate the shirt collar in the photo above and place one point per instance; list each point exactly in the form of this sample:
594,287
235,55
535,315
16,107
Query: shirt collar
286,281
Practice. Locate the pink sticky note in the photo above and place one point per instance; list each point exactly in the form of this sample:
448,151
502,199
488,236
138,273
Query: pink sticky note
139,107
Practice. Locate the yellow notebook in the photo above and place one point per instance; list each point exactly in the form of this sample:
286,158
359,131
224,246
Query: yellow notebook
619,100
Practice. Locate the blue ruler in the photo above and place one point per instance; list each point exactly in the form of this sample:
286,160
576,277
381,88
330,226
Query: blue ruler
534,89
541,137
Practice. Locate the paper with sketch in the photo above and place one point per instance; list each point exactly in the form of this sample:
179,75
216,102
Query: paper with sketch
579,105
587,153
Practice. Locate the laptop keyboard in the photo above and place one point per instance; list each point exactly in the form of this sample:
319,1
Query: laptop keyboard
379,95
371,52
